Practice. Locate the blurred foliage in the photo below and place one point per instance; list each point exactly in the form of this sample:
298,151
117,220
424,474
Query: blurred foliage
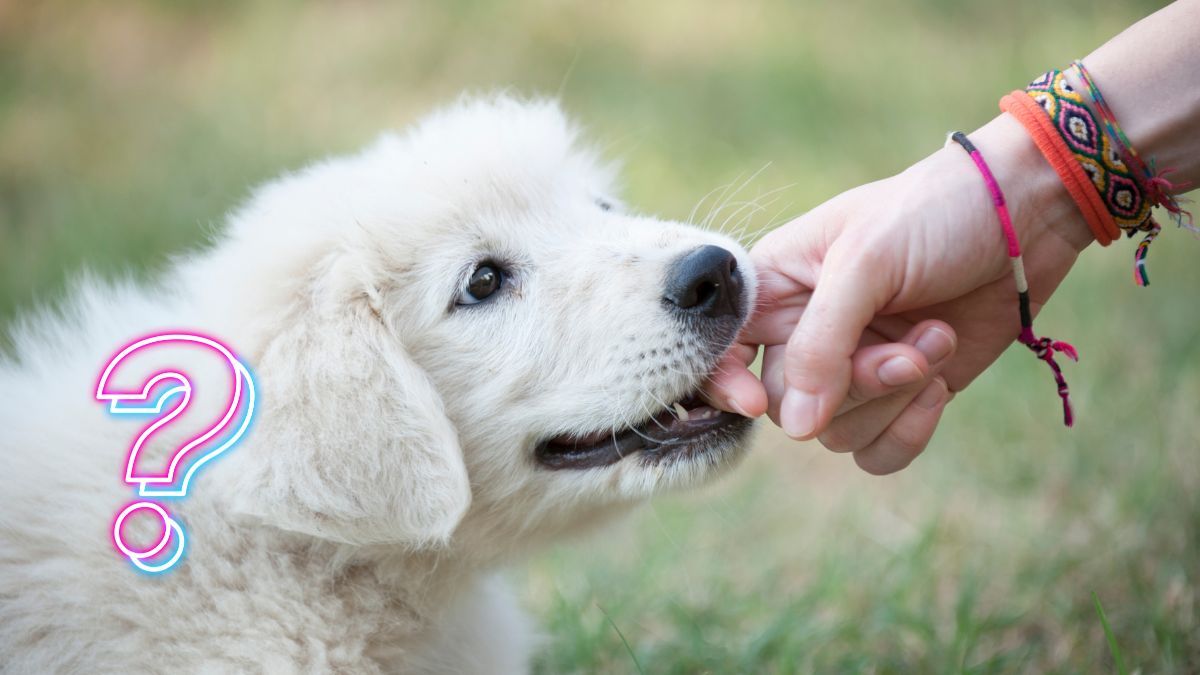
127,130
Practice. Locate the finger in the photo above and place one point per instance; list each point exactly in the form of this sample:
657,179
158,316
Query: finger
734,387
774,360
900,444
818,367
774,357
859,425
855,430
881,370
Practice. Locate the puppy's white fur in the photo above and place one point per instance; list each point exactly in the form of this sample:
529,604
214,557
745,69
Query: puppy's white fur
389,470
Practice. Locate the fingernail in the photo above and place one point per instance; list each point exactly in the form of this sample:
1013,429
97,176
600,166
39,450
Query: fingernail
899,371
931,396
798,413
737,408
936,344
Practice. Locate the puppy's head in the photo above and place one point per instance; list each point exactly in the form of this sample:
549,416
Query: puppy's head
463,329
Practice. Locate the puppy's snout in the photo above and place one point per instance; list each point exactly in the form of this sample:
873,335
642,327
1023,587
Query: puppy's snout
705,282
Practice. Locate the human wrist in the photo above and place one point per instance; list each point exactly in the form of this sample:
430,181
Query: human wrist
1039,203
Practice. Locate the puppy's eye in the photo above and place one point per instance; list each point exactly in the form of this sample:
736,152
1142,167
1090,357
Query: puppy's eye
604,204
484,281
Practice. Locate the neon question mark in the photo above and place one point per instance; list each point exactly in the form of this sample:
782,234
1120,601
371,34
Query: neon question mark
174,481
170,525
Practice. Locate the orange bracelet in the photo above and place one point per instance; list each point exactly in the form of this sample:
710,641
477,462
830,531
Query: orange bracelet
1041,129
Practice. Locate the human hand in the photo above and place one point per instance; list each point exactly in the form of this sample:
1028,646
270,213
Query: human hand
857,282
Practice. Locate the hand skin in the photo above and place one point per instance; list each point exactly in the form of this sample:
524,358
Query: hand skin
860,280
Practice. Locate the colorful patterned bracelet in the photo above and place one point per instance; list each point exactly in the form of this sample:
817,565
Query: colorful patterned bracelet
1154,183
1043,347
1052,146
1125,188
1095,152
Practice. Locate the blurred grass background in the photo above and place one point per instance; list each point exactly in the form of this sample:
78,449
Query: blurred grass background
127,129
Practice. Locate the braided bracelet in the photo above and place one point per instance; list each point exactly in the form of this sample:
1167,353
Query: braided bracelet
1043,347
1126,189
1118,187
1044,134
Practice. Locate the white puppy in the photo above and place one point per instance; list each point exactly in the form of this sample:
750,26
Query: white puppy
464,349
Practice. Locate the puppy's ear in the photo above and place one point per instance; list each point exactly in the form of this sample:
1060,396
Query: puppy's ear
350,442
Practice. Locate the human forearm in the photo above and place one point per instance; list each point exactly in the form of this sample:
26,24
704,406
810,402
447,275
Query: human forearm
1150,77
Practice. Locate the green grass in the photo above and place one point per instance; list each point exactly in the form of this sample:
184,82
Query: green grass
1113,648
128,129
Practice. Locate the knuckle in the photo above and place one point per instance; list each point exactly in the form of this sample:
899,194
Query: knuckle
807,361
839,438
906,439
863,389
802,350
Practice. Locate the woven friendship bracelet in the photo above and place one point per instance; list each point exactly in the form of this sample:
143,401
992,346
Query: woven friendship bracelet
1044,134
1156,189
1043,347
1103,156
1100,158
1138,170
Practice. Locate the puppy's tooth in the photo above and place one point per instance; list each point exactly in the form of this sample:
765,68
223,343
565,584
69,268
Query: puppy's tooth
681,412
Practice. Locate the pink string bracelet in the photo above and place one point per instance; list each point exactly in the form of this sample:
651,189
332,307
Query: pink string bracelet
1043,347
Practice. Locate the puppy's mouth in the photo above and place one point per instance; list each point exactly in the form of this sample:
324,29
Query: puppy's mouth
688,428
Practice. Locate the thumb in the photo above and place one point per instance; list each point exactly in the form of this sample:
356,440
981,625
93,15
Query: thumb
818,366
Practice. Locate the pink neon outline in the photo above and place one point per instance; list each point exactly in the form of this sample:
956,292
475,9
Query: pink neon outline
157,424
113,397
120,541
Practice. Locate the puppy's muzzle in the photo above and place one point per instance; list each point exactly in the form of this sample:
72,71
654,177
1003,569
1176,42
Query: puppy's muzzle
705,283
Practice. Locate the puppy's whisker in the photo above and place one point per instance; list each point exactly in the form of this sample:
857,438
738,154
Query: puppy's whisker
736,192
751,206
719,201
616,445
743,221
692,215
651,415
624,421
645,389
772,223
747,237
757,201
614,425
777,221
562,85
718,208
690,374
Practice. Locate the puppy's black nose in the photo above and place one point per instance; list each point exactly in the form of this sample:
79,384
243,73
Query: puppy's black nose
705,282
